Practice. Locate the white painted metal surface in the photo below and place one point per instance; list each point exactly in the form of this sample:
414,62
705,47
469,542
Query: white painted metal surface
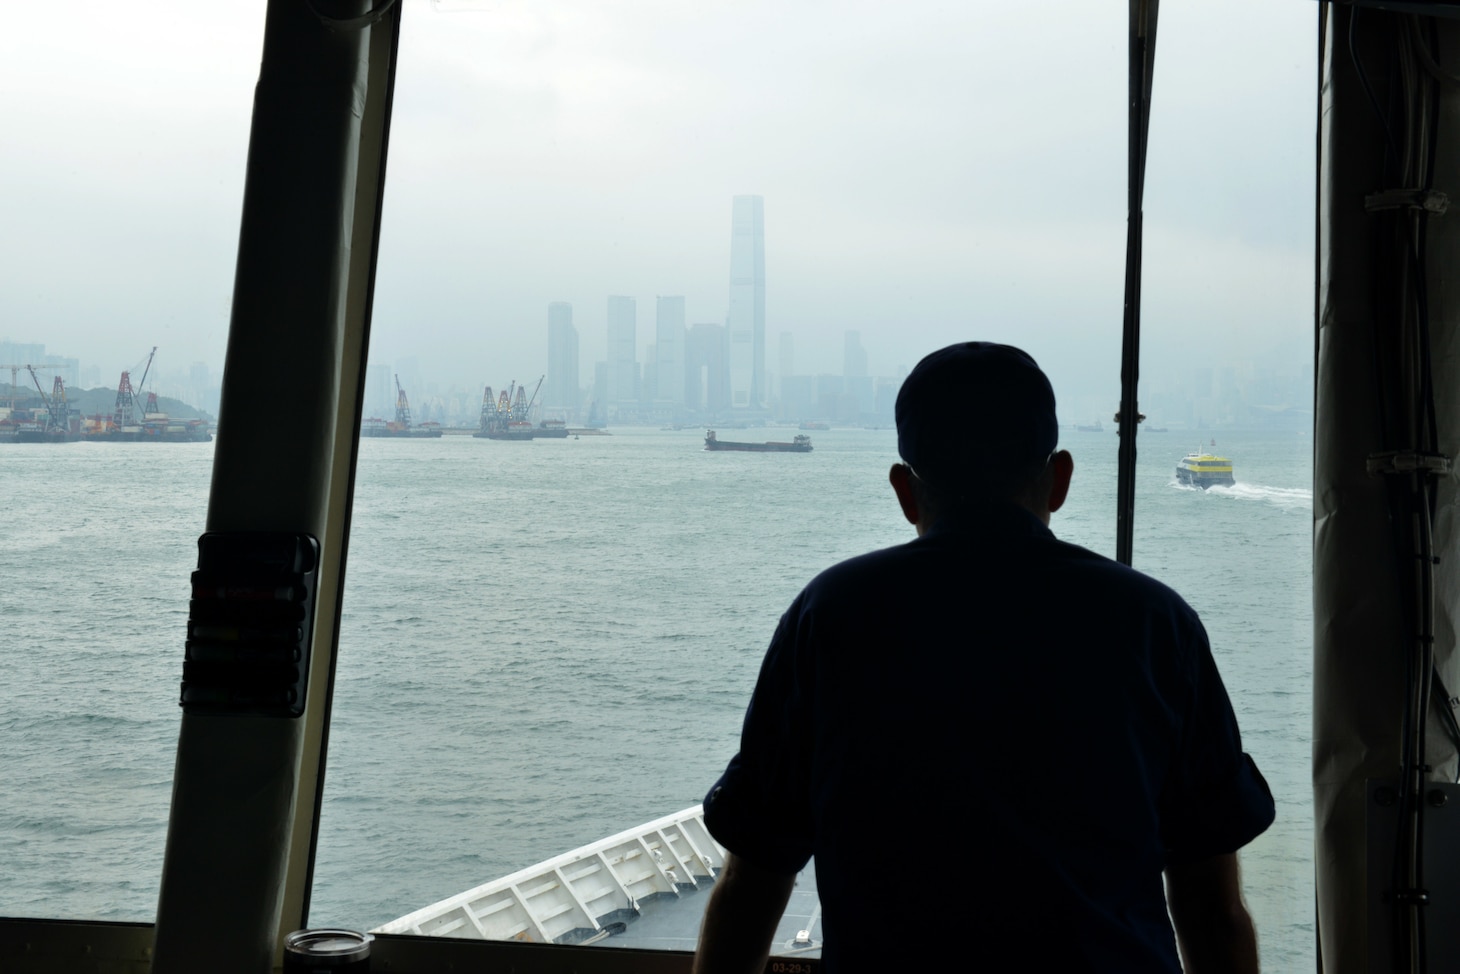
573,898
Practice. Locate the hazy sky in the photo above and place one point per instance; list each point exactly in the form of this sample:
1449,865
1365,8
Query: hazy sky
931,172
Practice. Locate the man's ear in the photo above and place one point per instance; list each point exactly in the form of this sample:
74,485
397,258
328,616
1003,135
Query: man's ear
901,477
1064,468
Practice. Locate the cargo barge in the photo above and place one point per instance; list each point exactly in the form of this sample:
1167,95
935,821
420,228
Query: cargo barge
379,427
507,417
801,443
153,431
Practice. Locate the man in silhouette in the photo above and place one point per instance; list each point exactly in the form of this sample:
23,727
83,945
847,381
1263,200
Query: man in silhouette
995,744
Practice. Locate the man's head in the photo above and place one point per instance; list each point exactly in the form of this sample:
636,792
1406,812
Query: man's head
976,425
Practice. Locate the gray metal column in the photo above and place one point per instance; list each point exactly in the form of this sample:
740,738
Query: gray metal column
240,836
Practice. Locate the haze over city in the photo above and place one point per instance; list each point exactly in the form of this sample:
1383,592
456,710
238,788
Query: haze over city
919,186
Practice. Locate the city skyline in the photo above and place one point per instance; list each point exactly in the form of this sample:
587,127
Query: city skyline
571,157
1248,391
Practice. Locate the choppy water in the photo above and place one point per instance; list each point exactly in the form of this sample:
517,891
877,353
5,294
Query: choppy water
548,642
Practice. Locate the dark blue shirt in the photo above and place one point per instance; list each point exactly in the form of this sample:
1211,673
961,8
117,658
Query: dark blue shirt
993,743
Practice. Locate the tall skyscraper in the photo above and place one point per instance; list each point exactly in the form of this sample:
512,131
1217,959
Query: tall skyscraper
669,337
706,377
623,371
561,390
746,322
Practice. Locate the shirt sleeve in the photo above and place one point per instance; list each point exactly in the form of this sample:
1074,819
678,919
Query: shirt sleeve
1216,800
759,809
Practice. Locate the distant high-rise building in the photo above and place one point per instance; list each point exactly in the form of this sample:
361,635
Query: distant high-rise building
706,372
798,398
597,410
623,372
831,397
884,398
860,395
788,358
669,335
560,392
854,362
746,321
649,376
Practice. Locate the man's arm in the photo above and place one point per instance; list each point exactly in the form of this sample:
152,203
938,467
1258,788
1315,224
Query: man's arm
1213,928
741,917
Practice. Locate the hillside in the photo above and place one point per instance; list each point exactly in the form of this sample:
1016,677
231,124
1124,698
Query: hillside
103,400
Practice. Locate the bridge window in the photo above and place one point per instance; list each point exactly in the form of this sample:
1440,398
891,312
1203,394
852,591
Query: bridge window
121,181
549,642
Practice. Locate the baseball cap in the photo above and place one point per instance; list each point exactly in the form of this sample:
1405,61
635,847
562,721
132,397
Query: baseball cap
976,414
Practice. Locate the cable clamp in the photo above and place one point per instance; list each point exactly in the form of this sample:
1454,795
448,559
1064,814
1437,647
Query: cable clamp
1431,201
1408,461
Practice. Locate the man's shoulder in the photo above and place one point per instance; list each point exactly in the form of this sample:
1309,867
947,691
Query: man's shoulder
869,568
1066,571
1115,577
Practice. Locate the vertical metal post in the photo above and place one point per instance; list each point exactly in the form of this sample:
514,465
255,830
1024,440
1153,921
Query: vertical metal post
1143,14
246,789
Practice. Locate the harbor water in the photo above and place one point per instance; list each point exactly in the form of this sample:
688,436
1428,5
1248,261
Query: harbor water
547,642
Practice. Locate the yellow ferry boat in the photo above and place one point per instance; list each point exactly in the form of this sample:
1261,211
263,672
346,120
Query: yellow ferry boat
1205,470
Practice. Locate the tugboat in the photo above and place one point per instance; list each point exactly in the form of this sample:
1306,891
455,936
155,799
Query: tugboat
1204,470
801,443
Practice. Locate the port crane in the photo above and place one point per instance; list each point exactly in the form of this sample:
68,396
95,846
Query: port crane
490,408
528,408
56,408
15,379
402,406
125,413
510,409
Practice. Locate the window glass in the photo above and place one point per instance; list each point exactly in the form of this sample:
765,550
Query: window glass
121,176
546,642
1227,373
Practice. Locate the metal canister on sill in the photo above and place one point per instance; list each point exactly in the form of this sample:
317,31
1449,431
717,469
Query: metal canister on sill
327,949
